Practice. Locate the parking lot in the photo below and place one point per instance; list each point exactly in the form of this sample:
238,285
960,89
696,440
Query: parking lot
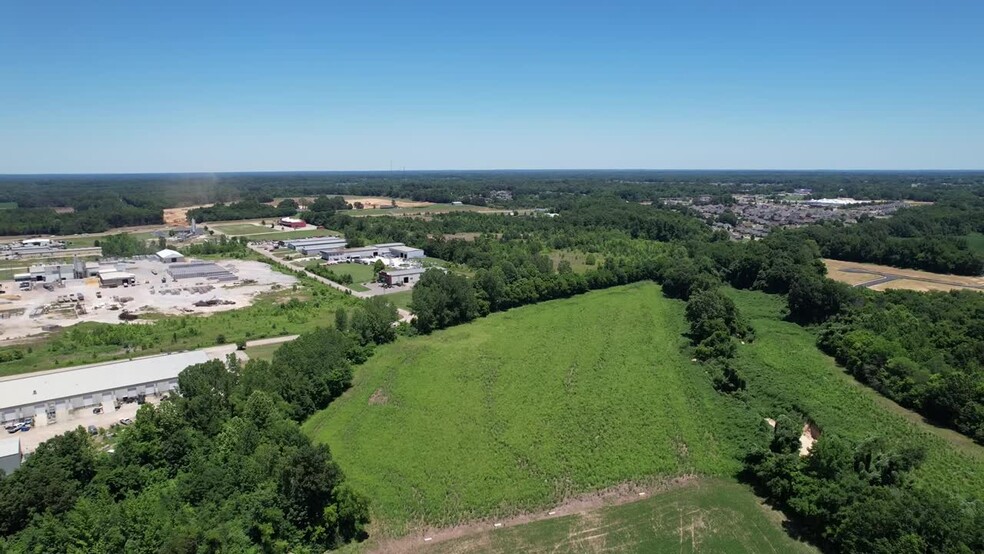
84,417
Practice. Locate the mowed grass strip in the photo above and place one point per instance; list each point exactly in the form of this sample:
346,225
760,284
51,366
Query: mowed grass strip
523,409
709,515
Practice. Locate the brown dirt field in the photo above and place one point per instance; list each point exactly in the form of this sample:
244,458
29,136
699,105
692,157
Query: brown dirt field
368,201
911,279
619,494
178,217
64,210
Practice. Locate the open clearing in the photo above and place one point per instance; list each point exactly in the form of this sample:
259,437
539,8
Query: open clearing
525,409
530,407
41,308
881,277
428,210
578,260
702,515
178,217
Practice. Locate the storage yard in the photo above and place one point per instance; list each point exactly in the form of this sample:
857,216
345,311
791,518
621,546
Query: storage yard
144,287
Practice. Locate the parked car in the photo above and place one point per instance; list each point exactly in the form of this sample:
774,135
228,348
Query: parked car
126,421
92,430
97,410
24,428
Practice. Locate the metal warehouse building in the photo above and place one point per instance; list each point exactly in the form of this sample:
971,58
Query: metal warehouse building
51,395
200,270
315,245
10,455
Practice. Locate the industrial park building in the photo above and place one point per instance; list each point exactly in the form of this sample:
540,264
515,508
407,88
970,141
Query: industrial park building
293,222
10,455
315,245
401,276
385,250
169,256
52,395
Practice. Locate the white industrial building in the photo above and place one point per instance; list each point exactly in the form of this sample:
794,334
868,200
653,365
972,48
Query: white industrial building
315,245
385,250
53,395
10,455
169,256
401,276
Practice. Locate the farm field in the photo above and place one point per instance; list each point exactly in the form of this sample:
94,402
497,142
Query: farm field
79,242
578,260
705,515
526,408
854,273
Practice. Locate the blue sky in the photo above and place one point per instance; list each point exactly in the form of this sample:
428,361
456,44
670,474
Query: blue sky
123,86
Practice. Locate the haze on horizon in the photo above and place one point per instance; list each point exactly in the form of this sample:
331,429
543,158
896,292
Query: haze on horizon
120,87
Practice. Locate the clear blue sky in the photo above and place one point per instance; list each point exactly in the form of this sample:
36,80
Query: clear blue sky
126,86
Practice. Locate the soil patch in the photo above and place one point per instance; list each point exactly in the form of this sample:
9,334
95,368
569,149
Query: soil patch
583,504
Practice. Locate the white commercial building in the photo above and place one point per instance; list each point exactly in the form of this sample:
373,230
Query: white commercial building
52,395
169,256
385,250
10,455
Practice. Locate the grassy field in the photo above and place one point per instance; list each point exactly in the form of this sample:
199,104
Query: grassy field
976,242
8,205
264,352
709,515
80,242
424,210
361,273
237,229
273,314
401,299
578,260
523,409
528,407
289,235
784,369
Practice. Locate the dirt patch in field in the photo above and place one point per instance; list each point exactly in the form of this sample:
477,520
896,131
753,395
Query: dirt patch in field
178,217
583,504
64,210
378,398
854,273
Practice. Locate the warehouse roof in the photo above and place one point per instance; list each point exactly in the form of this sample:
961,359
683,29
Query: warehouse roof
405,249
37,388
404,272
9,447
315,240
168,253
112,274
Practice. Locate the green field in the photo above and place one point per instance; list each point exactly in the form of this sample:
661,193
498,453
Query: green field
400,299
81,242
525,408
424,210
8,205
976,242
709,515
237,229
305,234
578,260
264,352
361,273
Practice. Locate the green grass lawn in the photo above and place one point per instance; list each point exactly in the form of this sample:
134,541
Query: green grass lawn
303,234
527,407
578,260
976,242
361,273
8,205
709,515
237,229
264,352
400,299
